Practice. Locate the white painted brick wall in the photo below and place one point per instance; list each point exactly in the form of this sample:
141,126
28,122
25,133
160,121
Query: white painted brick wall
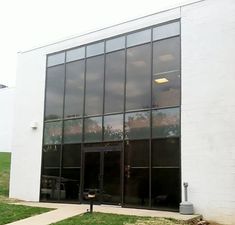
208,107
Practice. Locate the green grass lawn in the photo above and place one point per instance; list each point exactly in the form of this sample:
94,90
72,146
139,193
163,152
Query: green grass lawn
114,219
5,162
10,212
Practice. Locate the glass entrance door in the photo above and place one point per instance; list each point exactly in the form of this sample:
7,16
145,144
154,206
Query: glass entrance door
102,175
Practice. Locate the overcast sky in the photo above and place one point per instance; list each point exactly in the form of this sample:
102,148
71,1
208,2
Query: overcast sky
25,24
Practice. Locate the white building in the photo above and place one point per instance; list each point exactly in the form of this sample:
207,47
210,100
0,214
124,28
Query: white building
203,123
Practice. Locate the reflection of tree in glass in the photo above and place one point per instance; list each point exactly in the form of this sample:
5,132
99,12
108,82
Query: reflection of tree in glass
93,129
53,133
72,131
111,133
137,125
166,123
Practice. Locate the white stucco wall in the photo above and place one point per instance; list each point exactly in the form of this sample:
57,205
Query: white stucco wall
208,106
6,118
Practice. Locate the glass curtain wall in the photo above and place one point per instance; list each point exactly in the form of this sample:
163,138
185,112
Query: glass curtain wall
124,91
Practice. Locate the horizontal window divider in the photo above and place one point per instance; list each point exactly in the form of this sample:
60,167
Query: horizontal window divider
145,43
165,38
138,167
120,49
71,167
165,167
138,110
73,118
75,60
167,72
89,57
51,167
72,143
167,137
137,139
113,113
98,115
167,107
55,65
54,120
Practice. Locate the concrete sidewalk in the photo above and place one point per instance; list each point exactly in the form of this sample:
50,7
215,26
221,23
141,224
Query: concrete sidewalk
64,211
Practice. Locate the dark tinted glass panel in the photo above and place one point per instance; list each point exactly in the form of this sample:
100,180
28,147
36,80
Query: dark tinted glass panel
54,92
94,85
166,122
112,177
73,131
53,133
138,77
93,129
114,81
136,188
166,73
137,125
92,174
56,59
165,152
167,30
166,188
113,127
137,153
50,187
70,177
74,89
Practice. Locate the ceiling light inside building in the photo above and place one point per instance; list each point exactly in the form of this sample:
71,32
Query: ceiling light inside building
161,80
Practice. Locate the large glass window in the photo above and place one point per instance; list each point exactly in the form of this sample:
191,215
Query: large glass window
166,73
93,129
138,77
54,92
114,81
136,190
137,125
166,122
113,127
74,89
73,131
94,85
112,115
